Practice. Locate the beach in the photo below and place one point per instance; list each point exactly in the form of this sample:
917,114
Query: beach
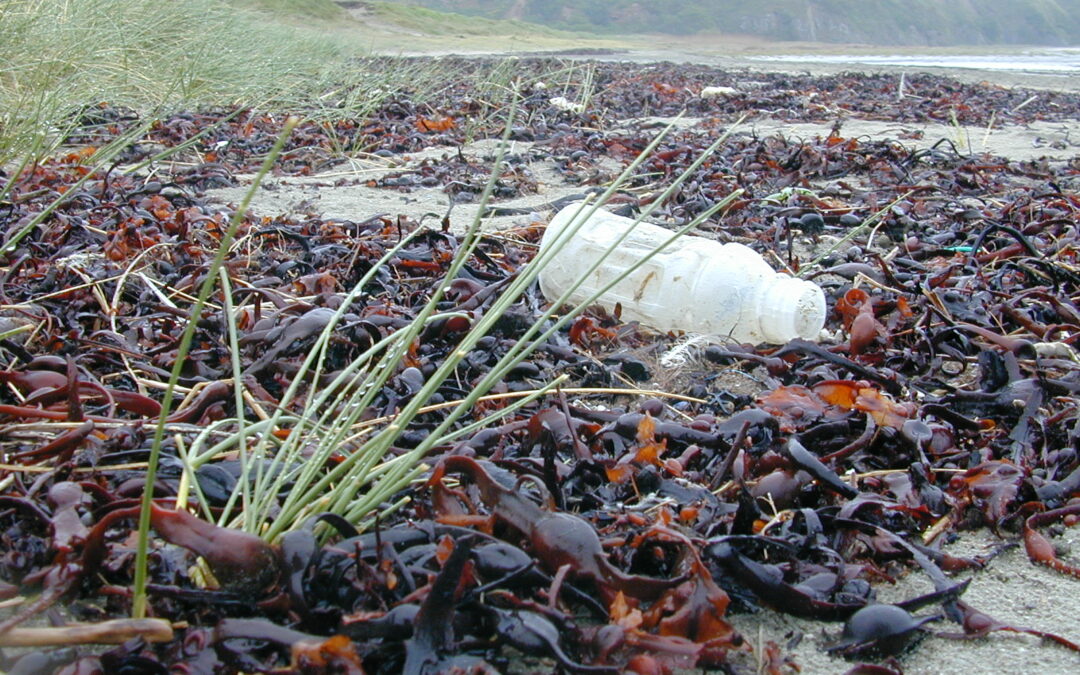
676,502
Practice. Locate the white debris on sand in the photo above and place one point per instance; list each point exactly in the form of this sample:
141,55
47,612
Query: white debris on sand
719,92
566,105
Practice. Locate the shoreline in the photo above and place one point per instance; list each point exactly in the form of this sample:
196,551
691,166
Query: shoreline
739,53
1067,82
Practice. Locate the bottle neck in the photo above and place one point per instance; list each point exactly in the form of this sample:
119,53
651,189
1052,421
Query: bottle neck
789,308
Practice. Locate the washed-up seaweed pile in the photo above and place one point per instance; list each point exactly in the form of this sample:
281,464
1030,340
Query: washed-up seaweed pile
612,532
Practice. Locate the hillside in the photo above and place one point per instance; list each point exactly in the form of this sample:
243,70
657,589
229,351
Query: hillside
296,9
892,22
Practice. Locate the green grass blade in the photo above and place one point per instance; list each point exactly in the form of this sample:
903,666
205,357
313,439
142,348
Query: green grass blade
142,547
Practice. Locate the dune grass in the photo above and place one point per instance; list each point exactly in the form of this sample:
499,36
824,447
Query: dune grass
58,56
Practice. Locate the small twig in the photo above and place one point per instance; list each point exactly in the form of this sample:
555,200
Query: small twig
114,632
729,458
942,524
1029,99
989,128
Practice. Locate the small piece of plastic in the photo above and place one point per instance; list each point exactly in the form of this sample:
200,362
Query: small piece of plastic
695,285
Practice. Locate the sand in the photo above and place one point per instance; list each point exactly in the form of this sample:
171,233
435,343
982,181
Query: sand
1010,589
342,193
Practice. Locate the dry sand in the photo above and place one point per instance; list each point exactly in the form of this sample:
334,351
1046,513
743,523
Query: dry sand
1011,588
342,193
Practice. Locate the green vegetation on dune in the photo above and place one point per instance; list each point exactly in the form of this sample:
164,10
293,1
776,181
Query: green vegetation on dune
57,57
895,22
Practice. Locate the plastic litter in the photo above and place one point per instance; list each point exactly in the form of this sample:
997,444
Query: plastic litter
695,284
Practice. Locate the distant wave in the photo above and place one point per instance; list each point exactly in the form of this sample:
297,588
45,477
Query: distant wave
1061,61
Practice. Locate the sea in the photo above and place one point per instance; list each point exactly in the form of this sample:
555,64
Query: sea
1063,61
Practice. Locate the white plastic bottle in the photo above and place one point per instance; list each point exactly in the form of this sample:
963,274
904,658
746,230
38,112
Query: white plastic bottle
695,285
